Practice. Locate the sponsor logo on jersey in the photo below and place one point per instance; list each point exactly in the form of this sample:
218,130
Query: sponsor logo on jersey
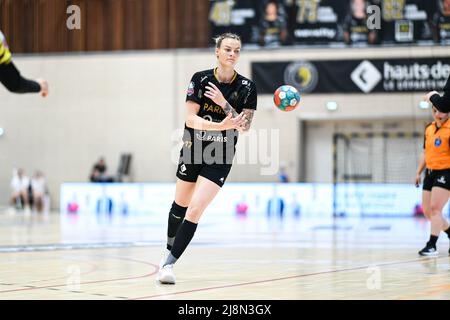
214,109
200,135
204,136
247,96
437,142
190,90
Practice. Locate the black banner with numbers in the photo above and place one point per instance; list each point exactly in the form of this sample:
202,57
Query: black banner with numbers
333,21
353,76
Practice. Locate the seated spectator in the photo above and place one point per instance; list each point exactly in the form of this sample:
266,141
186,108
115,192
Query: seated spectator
38,191
99,172
19,189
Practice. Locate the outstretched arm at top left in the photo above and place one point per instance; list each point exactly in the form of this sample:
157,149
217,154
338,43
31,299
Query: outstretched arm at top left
11,78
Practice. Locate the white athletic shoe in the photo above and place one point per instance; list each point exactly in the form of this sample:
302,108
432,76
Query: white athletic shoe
166,275
164,258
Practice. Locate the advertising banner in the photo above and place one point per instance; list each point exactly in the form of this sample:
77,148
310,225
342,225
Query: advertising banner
293,22
353,76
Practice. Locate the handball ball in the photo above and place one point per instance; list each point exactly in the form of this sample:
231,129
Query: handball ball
286,98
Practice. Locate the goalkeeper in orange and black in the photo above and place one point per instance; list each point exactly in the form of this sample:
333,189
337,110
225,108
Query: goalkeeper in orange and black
11,78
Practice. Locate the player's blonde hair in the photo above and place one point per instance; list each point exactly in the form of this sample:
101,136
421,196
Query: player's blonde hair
228,35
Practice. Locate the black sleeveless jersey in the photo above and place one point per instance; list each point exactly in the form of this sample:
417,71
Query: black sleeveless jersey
240,94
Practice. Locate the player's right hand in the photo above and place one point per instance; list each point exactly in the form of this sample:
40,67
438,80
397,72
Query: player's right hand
418,180
44,87
233,123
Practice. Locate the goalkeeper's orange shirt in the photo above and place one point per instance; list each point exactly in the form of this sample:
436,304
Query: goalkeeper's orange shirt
437,146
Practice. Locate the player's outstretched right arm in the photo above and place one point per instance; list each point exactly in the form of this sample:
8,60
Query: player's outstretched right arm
198,123
11,78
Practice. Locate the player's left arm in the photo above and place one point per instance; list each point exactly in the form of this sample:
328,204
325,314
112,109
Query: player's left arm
248,116
249,107
213,93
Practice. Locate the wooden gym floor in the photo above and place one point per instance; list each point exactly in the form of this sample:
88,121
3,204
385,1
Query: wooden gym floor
78,257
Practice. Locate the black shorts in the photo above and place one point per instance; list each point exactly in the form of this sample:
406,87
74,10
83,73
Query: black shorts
189,169
216,173
436,178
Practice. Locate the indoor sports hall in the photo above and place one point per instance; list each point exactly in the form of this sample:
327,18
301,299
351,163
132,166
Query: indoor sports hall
323,202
